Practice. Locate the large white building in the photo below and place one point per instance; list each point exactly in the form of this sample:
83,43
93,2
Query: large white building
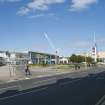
13,57
4,55
101,56
63,60
29,57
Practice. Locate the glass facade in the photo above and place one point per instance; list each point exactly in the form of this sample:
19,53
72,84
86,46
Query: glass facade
42,58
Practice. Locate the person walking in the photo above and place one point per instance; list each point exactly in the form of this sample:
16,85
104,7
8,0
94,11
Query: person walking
27,70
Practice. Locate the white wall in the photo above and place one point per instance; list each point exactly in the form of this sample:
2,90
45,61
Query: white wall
3,55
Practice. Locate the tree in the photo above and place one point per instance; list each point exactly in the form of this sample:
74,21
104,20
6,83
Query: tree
78,59
73,58
89,60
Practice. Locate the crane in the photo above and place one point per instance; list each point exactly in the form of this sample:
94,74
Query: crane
51,44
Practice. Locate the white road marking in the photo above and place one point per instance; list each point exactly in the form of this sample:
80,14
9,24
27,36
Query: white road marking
39,76
9,87
65,83
101,100
46,80
100,78
16,95
27,78
11,81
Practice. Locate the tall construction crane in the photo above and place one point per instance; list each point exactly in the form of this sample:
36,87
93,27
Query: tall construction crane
52,45
94,49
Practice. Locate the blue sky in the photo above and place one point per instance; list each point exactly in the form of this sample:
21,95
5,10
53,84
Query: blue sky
69,24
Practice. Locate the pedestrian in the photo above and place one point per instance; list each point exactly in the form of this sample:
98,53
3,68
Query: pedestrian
27,70
75,66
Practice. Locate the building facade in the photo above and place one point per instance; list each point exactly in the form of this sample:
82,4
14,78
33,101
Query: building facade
63,60
4,56
43,58
2,61
101,56
30,57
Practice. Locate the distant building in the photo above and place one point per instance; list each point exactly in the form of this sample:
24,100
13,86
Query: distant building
63,60
2,61
101,56
13,57
42,58
4,55
18,58
28,57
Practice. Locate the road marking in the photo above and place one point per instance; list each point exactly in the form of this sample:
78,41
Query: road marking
46,80
16,95
11,81
65,83
10,87
101,101
100,78
44,75
27,78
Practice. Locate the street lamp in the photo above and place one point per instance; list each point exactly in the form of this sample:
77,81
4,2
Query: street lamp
85,60
56,57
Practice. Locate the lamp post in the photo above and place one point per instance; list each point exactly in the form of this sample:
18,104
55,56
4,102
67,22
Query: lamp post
56,57
9,62
85,60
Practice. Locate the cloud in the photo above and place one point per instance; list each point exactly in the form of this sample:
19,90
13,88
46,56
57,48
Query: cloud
9,0
81,4
43,15
36,16
41,5
23,11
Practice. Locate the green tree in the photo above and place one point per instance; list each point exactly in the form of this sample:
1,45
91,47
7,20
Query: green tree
73,58
89,60
78,59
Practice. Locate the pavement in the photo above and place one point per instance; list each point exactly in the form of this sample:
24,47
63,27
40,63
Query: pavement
86,87
10,74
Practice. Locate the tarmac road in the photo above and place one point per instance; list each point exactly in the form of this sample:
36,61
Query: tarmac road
79,88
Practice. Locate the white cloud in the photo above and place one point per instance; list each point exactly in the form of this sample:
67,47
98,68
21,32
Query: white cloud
36,16
9,0
41,5
81,4
42,15
23,11
46,15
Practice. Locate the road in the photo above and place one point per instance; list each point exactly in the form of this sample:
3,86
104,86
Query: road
79,88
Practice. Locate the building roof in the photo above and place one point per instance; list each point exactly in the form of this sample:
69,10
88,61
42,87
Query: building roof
43,53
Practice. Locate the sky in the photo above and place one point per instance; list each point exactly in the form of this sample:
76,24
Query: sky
67,26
